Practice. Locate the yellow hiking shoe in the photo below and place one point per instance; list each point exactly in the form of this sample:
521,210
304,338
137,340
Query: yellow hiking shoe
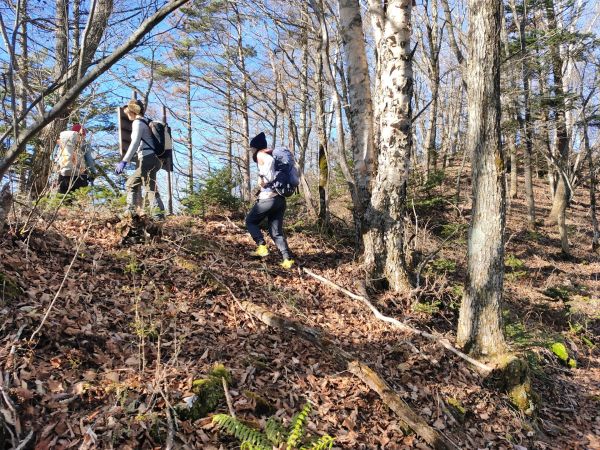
261,250
287,263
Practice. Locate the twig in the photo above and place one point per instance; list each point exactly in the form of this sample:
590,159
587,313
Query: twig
228,398
484,368
25,441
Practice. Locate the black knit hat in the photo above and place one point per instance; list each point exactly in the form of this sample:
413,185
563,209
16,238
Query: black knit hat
259,141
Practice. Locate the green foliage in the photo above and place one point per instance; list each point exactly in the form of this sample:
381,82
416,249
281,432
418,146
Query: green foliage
427,308
298,427
443,265
275,434
427,203
513,262
455,231
251,438
215,192
435,179
558,293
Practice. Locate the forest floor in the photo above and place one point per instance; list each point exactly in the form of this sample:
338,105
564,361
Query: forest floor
132,328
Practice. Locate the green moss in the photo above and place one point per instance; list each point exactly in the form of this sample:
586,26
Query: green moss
186,264
511,375
520,397
9,289
559,349
208,393
456,409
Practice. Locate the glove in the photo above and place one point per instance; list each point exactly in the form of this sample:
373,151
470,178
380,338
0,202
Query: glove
120,167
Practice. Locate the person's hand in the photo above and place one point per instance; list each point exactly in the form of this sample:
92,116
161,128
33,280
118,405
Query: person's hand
120,167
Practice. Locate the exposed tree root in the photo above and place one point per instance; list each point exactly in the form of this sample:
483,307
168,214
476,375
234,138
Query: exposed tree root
482,368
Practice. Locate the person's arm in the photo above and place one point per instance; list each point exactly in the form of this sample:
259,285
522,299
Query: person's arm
136,138
89,159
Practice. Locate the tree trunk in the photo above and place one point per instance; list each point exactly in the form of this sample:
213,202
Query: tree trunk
245,169
360,101
480,321
433,39
561,160
512,146
188,101
385,260
526,125
322,124
593,183
41,164
94,31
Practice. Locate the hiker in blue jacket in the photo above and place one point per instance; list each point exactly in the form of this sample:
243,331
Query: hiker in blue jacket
269,204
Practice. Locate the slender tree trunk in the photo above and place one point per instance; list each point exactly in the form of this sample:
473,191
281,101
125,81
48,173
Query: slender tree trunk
526,122
245,169
360,101
24,169
322,122
593,184
385,259
512,145
433,39
480,321
190,144
562,194
42,163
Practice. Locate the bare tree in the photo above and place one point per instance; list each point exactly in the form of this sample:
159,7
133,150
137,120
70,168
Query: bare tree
480,321
383,231
65,100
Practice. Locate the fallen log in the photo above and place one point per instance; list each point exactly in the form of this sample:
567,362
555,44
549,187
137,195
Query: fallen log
357,368
484,369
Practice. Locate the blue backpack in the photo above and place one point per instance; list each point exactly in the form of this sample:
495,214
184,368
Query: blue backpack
287,178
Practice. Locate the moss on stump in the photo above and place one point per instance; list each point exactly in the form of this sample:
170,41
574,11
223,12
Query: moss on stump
511,375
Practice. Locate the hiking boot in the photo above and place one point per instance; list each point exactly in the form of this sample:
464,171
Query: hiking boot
261,251
287,263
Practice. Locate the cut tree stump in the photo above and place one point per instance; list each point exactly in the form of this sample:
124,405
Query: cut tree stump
357,368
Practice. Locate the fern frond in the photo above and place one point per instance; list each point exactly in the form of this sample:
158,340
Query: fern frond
297,427
275,431
324,443
251,439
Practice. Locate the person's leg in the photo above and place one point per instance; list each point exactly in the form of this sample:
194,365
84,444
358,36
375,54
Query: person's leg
150,167
275,216
79,182
256,215
132,187
63,184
